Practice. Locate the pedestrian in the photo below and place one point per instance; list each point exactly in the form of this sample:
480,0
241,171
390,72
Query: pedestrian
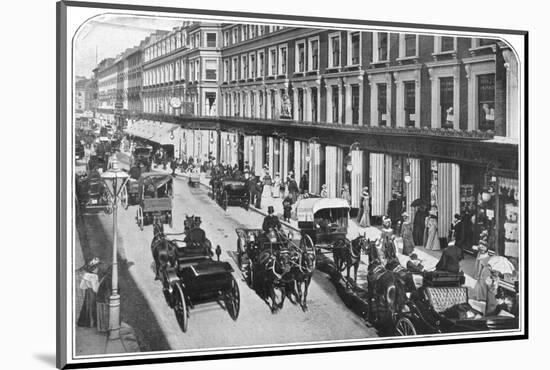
394,211
407,235
275,189
345,194
90,285
282,188
250,185
365,205
293,189
432,241
287,208
304,183
450,259
324,192
419,224
259,192
173,166
268,182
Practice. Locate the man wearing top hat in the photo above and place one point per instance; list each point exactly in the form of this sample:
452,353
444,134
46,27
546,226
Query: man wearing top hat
271,221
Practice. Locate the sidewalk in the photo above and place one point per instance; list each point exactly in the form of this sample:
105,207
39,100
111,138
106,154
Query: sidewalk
90,341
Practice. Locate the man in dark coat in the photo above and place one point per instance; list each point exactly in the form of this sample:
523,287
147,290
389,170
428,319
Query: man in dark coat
259,191
250,185
271,221
450,259
394,211
304,183
419,224
293,189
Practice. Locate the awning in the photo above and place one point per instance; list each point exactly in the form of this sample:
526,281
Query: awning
163,134
153,130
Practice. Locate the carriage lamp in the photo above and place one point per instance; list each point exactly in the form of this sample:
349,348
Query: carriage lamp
407,178
486,195
115,180
171,135
250,237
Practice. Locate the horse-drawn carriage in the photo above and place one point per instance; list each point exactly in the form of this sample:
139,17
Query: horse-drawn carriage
142,155
190,276
230,190
194,177
441,305
155,199
91,192
273,261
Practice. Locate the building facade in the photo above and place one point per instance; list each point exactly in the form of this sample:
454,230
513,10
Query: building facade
106,89
430,117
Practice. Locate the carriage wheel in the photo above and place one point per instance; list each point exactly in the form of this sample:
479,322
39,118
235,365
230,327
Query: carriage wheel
124,197
225,201
139,218
306,244
405,327
180,307
233,300
239,253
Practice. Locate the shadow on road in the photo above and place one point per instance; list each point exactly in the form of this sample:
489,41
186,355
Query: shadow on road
96,241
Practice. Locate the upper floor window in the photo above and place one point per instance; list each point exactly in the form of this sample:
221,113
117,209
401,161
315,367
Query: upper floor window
210,69
272,62
478,42
244,32
244,67
381,47
234,35
354,48
382,104
226,70
226,38
235,69
261,64
197,39
211,40
408,44
178,41
486,101
446,101
300,56
261,30
253,65
334,50
197,70
409,88
444,44
282,60
314,54
253,31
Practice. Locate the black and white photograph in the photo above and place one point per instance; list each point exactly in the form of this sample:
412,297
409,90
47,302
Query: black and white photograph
236,184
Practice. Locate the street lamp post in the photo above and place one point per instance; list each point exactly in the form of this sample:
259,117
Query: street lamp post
115,180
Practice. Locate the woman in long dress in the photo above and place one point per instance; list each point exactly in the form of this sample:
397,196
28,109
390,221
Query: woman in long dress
407,235
419,225
432,242
365,218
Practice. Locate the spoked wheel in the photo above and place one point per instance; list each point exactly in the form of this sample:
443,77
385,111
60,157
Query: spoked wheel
225,200
139,218
180,307
124,197
307,246
233,300
405,327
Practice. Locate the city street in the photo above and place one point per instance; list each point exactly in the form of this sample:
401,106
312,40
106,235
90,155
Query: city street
144,306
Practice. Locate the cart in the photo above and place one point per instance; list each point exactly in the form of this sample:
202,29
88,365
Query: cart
155,199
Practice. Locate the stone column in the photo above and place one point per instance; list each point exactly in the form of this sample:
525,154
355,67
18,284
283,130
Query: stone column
356,177
340,103
361,105
399,102
512,94
412,190
314,168
297,160
270,148
448,194
377,190
329,104
334,162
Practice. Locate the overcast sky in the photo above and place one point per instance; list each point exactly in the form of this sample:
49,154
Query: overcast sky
111,35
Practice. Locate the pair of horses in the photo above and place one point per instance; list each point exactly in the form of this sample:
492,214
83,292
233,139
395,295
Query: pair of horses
387,280
283,270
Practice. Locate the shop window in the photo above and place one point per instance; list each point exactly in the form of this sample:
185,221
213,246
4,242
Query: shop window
446,90
486,101
355,106
211,40
410,103
382,104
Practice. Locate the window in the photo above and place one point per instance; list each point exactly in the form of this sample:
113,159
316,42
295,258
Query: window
410,103
261,30
282,60
447,44
334,50
446,90
301,57
335,105
486,42
300,104
273,110
211,67
382,105
197,70
253,31
226,38
210,100
261,64
234,35
272,62
243,32
486,101
211,40
314,55
314,104
244,67
226,70
382,46
253,65
355,104
354,49
197,39
235,74
410,45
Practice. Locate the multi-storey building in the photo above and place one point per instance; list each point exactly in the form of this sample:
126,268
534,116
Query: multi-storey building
434,117
83,95
106,72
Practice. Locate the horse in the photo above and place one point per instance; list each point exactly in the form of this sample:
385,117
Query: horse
188,223
163,249
268,271
347,255
302,274
384,288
